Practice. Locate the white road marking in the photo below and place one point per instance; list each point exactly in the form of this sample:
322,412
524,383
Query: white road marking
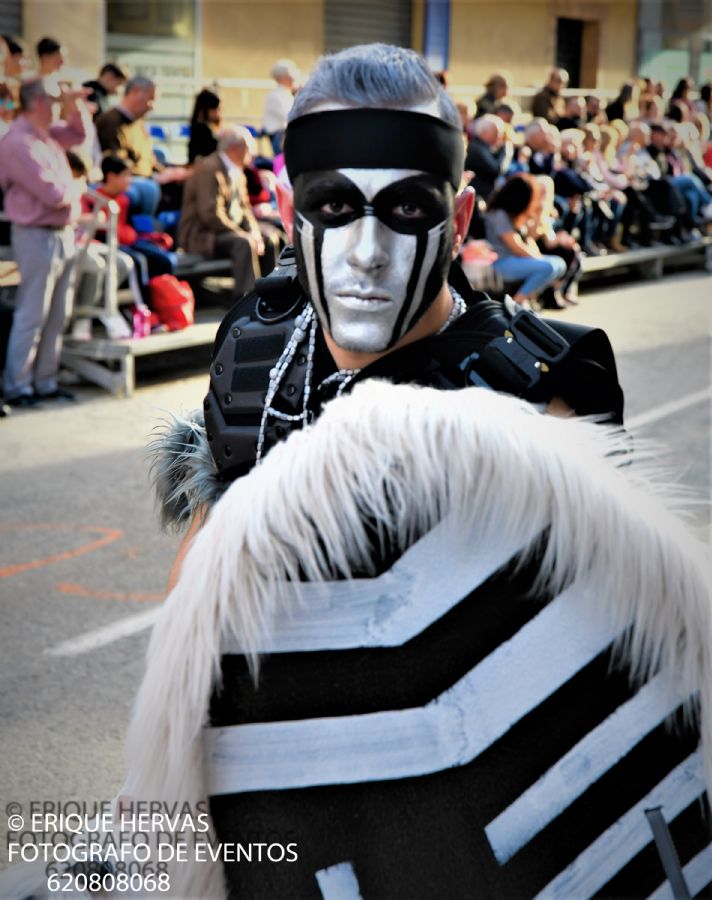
100,637
668,409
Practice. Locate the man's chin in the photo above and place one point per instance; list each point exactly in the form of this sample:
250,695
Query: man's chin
365,341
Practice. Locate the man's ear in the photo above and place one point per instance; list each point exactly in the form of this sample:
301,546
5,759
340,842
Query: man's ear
464,205
285,205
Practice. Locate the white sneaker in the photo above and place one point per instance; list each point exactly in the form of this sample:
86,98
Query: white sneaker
707,212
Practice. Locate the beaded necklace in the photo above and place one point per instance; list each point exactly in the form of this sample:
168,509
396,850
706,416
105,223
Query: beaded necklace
305,327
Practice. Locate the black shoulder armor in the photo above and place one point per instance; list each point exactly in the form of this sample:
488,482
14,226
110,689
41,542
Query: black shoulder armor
248,343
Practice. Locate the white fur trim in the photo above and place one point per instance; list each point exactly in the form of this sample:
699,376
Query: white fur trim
408,457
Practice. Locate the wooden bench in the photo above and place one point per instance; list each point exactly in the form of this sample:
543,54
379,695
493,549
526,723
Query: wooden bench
111,364
650,261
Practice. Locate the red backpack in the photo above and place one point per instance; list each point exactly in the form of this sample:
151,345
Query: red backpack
173,301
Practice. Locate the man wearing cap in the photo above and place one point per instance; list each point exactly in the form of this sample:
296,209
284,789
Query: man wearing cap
42,201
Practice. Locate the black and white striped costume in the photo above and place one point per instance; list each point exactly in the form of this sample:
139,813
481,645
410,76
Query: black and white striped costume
434,729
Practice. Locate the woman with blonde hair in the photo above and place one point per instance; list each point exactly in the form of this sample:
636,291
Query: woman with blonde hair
555,242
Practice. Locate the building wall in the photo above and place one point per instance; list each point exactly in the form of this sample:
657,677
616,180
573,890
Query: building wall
242,40
78,24
519,36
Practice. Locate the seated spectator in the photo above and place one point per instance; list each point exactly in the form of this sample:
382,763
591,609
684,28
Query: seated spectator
625,106
217,220
594,112
542,140
464,111
609,187
483,154
149,250
279,101
652,200
495,90
507,111
678,111
42,201
518,257
204,125
551,239
704,104
680,97
122,130
111,77
652,108
92,263
672,167
574,113
548,103
50,57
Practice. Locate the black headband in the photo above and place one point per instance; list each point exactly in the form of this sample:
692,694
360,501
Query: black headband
374,139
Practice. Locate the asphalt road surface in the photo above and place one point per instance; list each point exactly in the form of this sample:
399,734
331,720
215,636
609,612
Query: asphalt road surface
83,563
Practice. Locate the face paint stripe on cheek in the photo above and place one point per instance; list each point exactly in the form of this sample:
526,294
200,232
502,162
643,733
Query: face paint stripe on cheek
312,261
434,246
421,242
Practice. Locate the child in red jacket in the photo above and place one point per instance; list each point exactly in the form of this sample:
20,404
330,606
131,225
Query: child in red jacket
149,251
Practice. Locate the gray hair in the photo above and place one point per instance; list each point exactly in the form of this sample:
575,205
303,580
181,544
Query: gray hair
486,122
284,67
235,134
33,89
374,75
139,83
536,125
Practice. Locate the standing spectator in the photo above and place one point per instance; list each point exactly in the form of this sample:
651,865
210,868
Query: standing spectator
111,78
518,257
495,89
548,103
216,219
50,57
14,64
7,109
204,125
483,157
279,101
42,201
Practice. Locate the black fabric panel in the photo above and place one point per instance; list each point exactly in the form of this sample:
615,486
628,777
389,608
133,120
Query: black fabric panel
424,838
269,347
362,680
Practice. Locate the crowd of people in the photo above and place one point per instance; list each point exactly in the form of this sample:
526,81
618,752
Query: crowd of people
580,177
577,178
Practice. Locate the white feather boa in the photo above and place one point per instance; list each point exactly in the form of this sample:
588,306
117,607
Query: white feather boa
407,457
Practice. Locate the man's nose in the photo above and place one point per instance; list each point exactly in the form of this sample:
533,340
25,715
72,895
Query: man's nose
367,248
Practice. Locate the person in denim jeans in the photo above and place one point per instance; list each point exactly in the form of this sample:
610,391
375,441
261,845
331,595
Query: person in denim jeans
519,258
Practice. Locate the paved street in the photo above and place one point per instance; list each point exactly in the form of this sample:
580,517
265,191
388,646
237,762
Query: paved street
82,559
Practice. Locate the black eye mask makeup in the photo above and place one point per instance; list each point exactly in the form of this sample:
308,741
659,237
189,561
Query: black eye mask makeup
412,205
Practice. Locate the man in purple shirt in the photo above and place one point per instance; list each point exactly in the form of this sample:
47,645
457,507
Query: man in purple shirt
42,201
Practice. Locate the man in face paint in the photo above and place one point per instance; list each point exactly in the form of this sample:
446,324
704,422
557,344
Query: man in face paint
375,236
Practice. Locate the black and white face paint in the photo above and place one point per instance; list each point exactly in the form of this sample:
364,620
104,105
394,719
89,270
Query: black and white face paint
374,193
373,246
